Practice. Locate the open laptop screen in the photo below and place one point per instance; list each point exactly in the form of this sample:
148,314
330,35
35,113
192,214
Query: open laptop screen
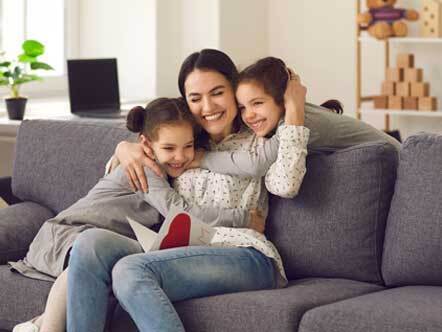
93,84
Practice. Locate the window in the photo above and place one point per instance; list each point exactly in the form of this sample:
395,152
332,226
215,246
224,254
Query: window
51,22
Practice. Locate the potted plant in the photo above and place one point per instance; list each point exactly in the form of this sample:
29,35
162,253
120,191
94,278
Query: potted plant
14,73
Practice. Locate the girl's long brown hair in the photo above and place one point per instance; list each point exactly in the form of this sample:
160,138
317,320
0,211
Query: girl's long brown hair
271,73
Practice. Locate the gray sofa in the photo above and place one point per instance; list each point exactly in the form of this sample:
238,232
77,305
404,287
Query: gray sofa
361,243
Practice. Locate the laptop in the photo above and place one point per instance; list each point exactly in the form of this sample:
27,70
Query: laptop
93,88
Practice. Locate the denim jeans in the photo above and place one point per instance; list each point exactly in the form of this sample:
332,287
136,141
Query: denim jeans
146,284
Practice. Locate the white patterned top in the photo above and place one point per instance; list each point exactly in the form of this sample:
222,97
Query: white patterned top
204,188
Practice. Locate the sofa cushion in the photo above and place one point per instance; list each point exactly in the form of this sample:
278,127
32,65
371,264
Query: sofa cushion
19,223
405,309
56,170
413,242
335,226
21,298
266,310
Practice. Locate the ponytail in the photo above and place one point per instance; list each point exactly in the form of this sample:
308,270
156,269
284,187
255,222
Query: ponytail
334,106
135,119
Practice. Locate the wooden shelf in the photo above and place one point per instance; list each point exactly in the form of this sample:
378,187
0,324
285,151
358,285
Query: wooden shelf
437,113
397,40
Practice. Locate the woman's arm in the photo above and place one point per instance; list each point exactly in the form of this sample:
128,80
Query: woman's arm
133,157
162,197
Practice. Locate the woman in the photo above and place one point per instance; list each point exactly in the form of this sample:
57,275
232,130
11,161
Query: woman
239,259
208,89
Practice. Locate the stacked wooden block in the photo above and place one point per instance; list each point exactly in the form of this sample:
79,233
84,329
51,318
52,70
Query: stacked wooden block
404,87
431,18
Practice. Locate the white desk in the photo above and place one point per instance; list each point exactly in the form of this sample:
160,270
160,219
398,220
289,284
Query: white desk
49,109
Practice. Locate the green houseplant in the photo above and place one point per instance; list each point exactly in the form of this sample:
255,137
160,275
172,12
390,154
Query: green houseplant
14,73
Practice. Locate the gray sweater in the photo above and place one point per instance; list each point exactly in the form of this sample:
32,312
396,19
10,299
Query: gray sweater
106,206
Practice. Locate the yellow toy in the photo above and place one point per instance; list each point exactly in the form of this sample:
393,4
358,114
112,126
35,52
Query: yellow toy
382,20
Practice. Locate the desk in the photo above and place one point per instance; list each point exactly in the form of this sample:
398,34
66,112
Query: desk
48,109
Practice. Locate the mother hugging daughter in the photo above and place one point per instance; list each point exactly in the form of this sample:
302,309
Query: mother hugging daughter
226,185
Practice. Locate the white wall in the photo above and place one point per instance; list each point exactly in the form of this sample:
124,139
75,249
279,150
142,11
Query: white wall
319,42
125,30
243,29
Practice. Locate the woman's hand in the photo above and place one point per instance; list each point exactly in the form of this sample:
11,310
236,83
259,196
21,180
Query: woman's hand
196,162
257,221
133,157
294,100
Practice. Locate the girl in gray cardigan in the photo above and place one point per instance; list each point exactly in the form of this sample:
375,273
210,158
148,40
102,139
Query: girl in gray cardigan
172,131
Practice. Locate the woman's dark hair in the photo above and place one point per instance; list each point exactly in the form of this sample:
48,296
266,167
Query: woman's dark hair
208,59
161,111
271,73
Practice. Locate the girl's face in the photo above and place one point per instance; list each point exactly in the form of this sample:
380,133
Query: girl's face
174,148
211,100
258,109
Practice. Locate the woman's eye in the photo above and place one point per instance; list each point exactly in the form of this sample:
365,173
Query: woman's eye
189,146
195,100
168,149
257,103
218,93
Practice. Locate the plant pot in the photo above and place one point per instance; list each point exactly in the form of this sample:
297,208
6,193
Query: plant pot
16,107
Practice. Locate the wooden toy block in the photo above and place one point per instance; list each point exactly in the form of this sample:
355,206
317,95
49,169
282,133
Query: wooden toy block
420,89
410,103
405,60
388,88
403,89
380,102
395,102
431,18
395,74
427,104
413,74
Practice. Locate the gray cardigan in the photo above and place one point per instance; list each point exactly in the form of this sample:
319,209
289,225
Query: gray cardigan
106,206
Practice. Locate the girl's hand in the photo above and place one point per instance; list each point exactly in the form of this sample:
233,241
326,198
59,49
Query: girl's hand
133,157
257,221
294,100
196,162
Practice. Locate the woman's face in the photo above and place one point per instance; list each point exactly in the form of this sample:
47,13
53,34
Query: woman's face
258,109
211,100
174,148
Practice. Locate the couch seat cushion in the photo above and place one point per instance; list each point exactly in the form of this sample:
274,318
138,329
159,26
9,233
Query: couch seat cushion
413,238
21,298
404,309
267,310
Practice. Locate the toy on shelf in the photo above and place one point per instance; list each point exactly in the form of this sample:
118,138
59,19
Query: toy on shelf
382,20
404,87
431,22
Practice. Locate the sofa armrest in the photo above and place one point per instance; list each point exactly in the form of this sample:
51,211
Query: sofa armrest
6,191
19,223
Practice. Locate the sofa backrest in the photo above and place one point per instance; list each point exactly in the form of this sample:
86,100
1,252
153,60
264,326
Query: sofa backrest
57,162
335,226
413,240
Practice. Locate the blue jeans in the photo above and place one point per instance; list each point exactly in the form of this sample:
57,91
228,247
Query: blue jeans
146,284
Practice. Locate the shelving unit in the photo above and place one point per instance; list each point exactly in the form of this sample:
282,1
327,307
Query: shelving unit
387,113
